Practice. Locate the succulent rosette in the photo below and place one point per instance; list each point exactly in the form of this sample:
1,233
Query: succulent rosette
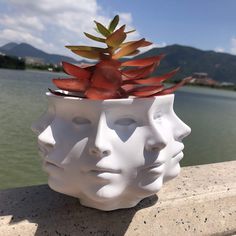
110,78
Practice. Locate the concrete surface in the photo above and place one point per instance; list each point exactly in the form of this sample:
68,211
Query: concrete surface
201,201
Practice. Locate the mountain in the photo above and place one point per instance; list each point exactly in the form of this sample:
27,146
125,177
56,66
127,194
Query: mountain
8,46
26,50
219,66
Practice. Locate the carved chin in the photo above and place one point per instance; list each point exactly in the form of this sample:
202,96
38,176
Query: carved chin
106,193
172,172
57,185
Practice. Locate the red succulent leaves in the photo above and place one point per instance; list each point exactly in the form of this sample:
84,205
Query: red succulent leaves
106,76
175,87
145,91
71,85
76,71
101,94
144,43
110,78
156,79
106,80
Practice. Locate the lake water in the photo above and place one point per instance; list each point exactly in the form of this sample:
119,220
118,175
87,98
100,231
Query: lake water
210,113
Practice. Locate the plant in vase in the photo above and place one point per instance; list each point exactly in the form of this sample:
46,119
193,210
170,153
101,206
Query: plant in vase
110,136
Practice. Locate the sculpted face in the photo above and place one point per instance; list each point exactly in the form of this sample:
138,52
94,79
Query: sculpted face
112,153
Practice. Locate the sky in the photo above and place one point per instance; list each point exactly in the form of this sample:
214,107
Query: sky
50,25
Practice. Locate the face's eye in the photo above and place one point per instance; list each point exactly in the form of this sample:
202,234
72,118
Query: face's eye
81,121
125,122
157,116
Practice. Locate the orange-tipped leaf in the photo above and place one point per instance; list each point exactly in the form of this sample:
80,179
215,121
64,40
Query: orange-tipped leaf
133,53
126,50
143,61
87,54
144,44
87,48
138,73
116,38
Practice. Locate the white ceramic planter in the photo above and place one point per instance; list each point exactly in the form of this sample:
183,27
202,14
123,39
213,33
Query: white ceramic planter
112,153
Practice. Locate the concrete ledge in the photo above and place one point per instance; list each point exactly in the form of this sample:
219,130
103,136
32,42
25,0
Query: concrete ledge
201,201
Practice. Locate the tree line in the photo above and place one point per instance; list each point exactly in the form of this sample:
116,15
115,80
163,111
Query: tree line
11,62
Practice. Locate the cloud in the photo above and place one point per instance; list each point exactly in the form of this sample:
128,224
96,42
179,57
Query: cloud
52,7
19,36
51,25
233,45
154,45
219,49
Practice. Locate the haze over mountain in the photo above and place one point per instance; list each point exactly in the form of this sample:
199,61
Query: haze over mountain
26,50
219,66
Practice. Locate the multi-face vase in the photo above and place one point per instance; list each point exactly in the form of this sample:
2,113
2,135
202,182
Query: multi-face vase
110,153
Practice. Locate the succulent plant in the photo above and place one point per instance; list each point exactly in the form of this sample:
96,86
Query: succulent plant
111,78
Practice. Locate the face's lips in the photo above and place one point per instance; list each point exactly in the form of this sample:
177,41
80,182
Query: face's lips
178,152
180,148
42,151
178,156
155,169
49,163
154,165
105,170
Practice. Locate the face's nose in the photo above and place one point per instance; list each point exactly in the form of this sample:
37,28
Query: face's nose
181,130
157,140
100,147
39,126
46,138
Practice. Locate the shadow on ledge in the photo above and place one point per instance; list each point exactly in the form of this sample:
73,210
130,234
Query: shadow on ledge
58,214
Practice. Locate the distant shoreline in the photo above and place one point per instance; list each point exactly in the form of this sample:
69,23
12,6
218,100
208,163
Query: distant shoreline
229,88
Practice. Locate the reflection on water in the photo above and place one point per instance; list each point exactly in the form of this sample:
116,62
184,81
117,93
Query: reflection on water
210,113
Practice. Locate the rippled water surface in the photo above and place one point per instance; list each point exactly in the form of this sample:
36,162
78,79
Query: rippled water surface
210,113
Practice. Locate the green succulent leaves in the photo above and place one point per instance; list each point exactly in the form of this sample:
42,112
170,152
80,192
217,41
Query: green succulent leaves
102,29
94,38
114,23
113,39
